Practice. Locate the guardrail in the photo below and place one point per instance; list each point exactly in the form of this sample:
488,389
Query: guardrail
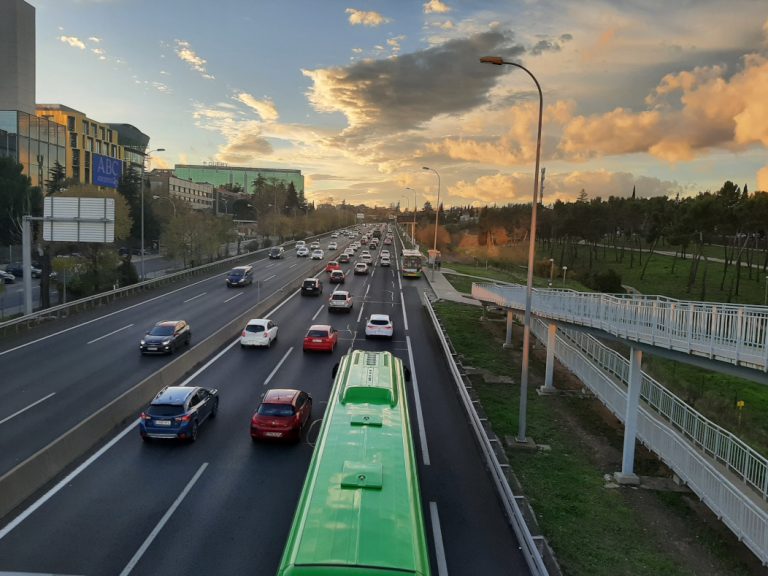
717,442
528,546
728,501
736,335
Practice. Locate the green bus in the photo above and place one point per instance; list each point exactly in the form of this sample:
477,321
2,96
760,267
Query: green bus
410,263
360,509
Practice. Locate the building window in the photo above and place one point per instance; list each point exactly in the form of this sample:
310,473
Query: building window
109,135
93,127
86,128
98,146
71,123
103,133
73,139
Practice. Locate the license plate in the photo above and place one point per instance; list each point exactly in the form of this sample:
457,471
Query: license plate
162,422
316,341
151,348
273,434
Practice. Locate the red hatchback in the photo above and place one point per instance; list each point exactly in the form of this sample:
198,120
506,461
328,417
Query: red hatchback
331,266
281,415
321,337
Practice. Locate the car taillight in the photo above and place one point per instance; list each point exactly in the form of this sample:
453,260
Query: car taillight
185,418
243,334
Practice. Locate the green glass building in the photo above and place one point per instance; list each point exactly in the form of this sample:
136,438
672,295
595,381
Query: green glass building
222,175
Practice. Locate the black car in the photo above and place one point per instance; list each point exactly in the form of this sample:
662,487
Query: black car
178,412
276,252
311,286
240,276
166,337
18,270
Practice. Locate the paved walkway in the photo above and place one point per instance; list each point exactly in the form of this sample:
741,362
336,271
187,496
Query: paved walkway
445,290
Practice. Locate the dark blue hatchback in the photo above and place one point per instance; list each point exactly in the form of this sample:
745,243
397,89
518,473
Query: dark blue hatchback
178,412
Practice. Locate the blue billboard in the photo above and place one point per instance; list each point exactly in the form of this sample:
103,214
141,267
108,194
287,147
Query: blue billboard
106,170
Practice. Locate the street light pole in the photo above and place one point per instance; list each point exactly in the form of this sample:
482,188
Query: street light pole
144,156
437,215
413,224
551,271
531,252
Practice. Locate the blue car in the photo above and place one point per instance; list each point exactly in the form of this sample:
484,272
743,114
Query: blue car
178,412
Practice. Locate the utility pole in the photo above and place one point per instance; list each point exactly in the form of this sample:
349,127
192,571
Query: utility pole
541,187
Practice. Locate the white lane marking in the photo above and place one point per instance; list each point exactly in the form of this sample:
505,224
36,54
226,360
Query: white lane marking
368,287
270,278
292,265
276,368
360,314
142,303
437,536
405,316
110,334
318,312
96,455
417,400
156,530
233,297
64,482
269,265
195,297
43,399
374,272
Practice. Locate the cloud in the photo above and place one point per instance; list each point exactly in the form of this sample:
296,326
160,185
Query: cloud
361,18
73,41
436,7
394,43
517,188
185,53
545,46
94,39
265,108
385,96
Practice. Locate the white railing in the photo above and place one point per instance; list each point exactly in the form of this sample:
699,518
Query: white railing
728,333
729,501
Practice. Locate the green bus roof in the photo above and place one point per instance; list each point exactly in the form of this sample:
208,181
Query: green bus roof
360,510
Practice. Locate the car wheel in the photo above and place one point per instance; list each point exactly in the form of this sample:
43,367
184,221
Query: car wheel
146,439
215,408
194,432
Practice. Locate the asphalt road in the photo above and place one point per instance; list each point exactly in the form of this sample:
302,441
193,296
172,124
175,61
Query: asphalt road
224,505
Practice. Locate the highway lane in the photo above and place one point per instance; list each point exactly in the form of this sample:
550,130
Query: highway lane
51,384
224,506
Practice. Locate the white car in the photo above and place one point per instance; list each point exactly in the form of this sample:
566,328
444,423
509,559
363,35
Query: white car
340,300
335,235
367,258
385,261
300,243
259,332
333,246
361,268
317,254
302,251
384,253
379,325
314,246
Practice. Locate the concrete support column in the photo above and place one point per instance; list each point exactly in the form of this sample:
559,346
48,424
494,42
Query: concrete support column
549,387
510,319
627,474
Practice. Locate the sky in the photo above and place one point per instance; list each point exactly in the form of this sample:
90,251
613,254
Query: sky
664,97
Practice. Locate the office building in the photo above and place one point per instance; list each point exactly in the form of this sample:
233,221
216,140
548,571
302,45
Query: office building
231,176
197,196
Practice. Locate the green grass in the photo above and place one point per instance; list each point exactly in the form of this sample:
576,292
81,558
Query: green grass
593,530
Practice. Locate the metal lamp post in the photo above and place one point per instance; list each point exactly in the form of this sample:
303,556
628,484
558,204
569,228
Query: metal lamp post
531,252
551,271
437,215
144,156
156,197
565,269
413,224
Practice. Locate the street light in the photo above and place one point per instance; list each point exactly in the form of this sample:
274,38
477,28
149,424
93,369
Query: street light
498,61
143,160
156,197
565,269
413,225
437,214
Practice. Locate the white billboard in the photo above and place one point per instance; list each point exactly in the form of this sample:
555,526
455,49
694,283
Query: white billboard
79,220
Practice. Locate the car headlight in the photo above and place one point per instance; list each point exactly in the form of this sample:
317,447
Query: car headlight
142,343
166,342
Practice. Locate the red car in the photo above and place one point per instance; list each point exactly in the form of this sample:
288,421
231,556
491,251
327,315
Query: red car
321,337
281,415
331,266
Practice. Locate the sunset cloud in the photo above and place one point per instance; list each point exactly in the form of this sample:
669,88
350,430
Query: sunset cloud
73,41
436,7
186,54
265,108
362,18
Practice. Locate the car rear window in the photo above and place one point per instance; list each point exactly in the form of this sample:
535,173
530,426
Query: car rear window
165,410
309,283
256,328
339,297
317,334
379,322
275,410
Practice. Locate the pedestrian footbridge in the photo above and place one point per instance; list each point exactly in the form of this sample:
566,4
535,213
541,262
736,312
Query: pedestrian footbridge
728,475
